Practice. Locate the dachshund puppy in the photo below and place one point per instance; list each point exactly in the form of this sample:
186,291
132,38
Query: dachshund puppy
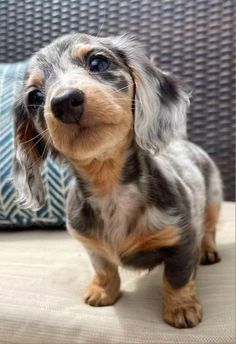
141,194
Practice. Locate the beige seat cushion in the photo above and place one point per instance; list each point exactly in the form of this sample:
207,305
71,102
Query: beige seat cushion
43,275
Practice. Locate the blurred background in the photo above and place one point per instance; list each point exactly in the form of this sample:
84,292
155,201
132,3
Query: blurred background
193,39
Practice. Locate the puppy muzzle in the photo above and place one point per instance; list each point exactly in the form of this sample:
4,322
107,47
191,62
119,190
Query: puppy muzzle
68,106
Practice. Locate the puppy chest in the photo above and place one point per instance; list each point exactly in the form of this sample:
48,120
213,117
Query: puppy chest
109,217
119,212
117,227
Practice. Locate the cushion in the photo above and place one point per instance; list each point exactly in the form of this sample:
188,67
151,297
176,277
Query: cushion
44,274
56,178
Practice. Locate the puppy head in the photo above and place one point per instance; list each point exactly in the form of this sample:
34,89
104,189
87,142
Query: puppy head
84,97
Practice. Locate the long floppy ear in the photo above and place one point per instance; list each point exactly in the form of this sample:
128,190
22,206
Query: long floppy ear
29,151
160,100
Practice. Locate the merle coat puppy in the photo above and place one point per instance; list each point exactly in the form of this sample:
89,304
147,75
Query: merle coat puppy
142,194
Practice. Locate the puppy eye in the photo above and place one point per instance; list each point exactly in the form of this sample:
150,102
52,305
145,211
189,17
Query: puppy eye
35,99
98,64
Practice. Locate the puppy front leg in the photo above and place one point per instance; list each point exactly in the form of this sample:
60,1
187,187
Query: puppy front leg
181,306
105,286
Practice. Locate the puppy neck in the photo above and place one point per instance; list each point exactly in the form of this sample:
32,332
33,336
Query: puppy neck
103,173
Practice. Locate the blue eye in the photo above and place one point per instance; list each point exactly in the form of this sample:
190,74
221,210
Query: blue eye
35,99
98,64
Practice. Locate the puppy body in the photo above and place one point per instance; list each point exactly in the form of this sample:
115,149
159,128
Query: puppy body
142,194
174,189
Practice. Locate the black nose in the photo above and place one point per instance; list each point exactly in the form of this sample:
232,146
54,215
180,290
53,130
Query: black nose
68,106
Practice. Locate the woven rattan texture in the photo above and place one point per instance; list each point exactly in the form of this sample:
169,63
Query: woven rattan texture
191,38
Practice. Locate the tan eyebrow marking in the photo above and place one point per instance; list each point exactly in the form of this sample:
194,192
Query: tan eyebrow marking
36,78
81,51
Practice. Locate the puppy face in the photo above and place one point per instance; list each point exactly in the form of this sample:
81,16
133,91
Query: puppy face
83,94
85,97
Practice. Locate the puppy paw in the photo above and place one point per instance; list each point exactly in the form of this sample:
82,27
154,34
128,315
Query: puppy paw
100,296
184,316
209,256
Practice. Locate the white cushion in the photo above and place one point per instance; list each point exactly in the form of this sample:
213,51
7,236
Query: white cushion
43,275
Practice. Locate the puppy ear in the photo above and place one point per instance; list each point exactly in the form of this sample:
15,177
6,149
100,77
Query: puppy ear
160,109
160,100
29,151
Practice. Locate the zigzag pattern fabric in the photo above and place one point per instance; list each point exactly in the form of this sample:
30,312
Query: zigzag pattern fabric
56,178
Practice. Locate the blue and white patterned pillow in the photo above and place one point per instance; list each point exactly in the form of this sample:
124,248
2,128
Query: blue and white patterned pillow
56,178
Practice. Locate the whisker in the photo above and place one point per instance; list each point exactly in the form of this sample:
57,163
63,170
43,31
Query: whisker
45,148
43,132
41,138
47,143
120,89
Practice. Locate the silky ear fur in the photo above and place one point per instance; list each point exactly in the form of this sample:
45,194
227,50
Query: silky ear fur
161,101
29,152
